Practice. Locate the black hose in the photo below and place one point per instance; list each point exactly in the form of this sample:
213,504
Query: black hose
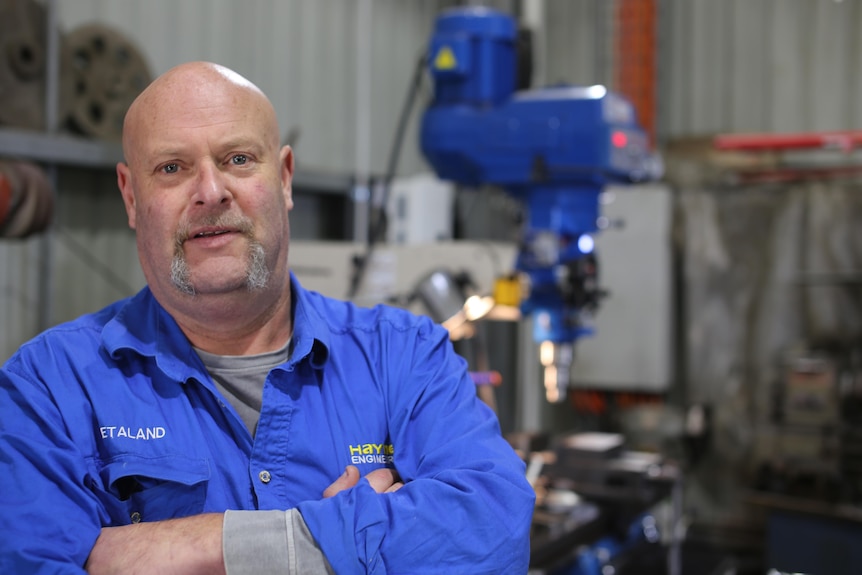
378,224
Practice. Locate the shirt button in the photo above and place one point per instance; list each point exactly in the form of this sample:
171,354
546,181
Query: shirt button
135,517
265,477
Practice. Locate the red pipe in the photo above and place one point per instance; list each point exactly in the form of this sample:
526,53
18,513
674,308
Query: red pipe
845,141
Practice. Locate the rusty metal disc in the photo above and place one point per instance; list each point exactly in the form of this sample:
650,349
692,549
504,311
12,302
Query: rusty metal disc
26,207
39,185
23,66
11,225
107,73
5,197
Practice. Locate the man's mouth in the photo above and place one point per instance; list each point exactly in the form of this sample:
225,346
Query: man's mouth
213,227
210,233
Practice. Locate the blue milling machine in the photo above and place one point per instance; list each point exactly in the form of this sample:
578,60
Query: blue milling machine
553,149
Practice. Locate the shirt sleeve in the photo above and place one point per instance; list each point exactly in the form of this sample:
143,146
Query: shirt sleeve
37,461
270,543
465,506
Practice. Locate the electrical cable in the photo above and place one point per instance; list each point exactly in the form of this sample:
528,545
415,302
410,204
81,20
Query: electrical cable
378,224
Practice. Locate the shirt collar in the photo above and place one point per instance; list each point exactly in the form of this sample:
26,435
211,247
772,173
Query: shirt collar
145,327
310,331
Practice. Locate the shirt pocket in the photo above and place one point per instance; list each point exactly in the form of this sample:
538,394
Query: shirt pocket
157,488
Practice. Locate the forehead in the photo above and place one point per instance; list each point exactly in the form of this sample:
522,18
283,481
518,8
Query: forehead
196,108
182,112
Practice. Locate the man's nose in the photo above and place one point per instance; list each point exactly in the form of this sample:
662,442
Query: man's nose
211,186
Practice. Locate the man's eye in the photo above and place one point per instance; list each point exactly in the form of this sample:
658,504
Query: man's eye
170,169
239,160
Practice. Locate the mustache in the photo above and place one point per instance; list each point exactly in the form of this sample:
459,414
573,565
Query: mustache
237,222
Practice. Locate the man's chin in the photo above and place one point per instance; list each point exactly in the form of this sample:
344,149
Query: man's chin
222,275
222,285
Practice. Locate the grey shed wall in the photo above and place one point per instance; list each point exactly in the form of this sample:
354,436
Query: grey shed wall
724,65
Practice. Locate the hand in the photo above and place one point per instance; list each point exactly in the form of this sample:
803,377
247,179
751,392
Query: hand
384,480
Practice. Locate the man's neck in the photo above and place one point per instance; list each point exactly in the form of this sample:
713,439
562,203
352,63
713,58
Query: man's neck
243,325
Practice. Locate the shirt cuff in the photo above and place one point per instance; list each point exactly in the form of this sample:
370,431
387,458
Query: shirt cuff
270,543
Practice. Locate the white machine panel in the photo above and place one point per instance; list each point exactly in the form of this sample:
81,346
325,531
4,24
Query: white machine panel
631,349
420,210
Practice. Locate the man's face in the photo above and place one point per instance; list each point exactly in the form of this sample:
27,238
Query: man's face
208,190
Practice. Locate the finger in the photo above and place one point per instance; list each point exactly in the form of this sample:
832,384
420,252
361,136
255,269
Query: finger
395,487
382,479
348,479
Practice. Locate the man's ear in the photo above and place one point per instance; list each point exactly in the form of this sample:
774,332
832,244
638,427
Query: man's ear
124,182
286,169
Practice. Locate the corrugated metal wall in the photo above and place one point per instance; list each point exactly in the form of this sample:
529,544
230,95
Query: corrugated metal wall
302,53
728,65
725,65
577,42
760,65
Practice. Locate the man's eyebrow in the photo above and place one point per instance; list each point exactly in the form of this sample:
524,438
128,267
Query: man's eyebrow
242,143
166,152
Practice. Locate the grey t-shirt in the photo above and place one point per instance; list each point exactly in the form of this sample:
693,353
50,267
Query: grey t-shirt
240,379
260,542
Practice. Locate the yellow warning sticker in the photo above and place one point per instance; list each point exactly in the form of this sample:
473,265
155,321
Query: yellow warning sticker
445,59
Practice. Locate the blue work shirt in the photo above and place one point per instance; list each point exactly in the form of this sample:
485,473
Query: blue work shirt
112,419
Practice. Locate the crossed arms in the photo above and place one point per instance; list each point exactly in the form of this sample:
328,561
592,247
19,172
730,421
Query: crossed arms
192,545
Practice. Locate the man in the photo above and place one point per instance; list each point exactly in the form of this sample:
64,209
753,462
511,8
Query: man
219,421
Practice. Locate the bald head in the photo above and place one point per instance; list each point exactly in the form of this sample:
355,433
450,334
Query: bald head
181,94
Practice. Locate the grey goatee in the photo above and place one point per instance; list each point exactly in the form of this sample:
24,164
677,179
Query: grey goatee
257,273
